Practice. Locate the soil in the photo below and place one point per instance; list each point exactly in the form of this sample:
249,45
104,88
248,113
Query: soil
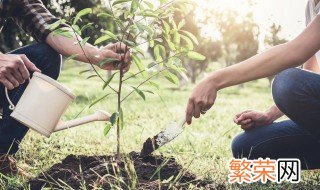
108,172
149,146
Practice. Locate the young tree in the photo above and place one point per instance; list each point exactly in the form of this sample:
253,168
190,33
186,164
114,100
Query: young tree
133,19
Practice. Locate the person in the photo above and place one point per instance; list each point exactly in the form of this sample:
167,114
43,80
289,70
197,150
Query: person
296,93
45,57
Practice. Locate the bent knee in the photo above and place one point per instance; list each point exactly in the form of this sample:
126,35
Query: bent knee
240,148
286,86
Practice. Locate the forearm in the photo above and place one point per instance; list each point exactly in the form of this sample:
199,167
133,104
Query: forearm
69,46
312,65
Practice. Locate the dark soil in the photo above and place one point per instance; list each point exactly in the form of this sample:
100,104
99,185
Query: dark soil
108,172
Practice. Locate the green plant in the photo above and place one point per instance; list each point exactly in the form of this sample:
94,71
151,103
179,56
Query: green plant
139,22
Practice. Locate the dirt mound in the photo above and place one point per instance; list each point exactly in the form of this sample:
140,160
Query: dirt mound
108,172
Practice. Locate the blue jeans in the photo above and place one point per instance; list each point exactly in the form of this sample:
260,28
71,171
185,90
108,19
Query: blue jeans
296,92
11,131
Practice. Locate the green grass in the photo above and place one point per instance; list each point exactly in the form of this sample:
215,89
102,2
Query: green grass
205,144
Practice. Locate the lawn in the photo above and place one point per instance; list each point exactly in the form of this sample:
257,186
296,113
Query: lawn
204,147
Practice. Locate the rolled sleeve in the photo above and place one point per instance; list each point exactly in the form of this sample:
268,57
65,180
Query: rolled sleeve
33,17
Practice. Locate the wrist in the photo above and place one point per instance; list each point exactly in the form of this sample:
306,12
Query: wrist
216,79
93,54
271,117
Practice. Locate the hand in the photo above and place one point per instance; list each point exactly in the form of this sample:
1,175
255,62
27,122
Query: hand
201,99
115,51
14,70
250,119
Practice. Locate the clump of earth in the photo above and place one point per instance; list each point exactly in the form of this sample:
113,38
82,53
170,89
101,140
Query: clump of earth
109,172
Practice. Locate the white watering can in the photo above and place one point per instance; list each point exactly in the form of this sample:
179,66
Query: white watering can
43,103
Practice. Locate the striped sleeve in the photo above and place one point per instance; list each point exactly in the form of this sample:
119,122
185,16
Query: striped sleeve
33,18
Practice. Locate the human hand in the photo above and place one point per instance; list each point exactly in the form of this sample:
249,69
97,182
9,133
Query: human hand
201,99
14,70
119,52
250,119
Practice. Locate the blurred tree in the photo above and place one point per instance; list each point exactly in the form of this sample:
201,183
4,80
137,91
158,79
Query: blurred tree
273,39
239,36
208,47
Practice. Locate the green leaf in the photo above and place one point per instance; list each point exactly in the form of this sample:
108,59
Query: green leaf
91,76
166,27
171,77
114,117
181,24
108,81
189,43
82,13
119,2
149,4
84,41
191,36
196,56
56,24
71,57
148,91
157,86
102,39
84,71
138,91
156,51
138,50
107,128
171,45
146,28
89,25
104,15
139,64
176,38
121,119
76,29
63,32
134,6
98,100
112,35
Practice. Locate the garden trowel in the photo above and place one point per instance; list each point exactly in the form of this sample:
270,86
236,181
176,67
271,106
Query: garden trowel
171,132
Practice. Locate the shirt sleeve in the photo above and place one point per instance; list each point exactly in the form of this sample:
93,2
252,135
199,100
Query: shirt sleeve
33,17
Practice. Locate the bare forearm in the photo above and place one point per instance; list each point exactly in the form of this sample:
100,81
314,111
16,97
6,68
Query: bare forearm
70,46
274,113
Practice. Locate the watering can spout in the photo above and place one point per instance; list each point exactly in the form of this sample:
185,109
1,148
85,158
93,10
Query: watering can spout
99,115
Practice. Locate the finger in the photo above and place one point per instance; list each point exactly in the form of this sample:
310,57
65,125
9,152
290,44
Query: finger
126,69
245,116
245,122
197,110
189,111
12,80
239,114
7,84
24,71
248,126
29,64
16,73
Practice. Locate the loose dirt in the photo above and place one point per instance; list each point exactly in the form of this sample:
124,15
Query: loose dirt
109,172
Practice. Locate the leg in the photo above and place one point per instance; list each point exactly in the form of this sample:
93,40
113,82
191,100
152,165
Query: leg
11,131
279,140
296,92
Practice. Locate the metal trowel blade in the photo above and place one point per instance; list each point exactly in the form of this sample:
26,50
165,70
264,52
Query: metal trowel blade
171,132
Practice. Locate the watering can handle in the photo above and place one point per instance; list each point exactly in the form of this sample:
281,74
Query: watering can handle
11,106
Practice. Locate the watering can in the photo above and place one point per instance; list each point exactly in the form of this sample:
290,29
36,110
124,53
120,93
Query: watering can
43,103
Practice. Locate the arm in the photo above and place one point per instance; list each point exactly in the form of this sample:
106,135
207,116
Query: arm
88,53
35,19
270,62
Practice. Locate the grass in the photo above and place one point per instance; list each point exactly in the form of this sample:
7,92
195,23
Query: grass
205,144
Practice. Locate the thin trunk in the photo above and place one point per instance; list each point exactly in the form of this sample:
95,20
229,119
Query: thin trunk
119,108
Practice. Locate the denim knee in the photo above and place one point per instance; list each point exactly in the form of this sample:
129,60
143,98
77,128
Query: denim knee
286,88
51,60
239,146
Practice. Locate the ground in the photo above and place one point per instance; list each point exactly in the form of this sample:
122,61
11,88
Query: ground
204,147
